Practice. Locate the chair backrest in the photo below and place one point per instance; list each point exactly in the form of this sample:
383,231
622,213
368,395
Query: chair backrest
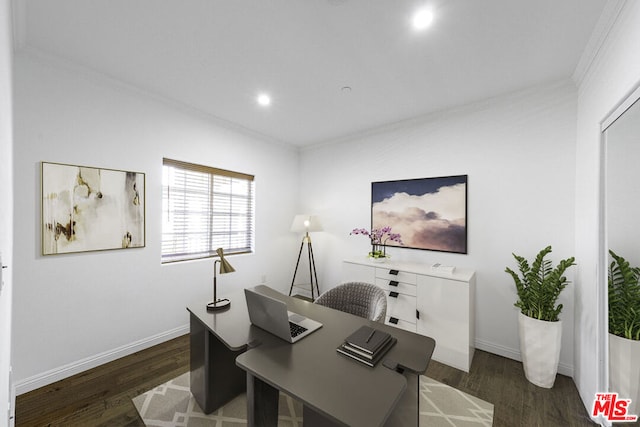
358,298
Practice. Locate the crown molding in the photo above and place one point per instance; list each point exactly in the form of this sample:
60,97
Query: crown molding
434,116
601,31
101,79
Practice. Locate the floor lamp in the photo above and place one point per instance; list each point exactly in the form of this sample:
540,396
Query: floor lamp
306,223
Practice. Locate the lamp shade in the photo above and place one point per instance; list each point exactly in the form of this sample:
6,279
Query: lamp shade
306,223
225,267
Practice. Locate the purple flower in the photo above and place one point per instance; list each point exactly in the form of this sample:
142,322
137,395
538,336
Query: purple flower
360,231
396,238
379,236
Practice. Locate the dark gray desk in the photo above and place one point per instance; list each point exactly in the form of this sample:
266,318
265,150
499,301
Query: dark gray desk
334,389
216,339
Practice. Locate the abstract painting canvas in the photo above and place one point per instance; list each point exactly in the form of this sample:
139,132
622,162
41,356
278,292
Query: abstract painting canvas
428,213
91,209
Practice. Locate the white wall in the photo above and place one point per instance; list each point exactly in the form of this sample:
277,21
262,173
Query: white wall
6,206
612,75
72,312
518,151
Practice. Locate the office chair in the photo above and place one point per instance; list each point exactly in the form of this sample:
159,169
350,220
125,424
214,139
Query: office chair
358,298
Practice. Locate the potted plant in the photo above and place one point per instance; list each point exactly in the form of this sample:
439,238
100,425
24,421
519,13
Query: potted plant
539,325
624,331
379,238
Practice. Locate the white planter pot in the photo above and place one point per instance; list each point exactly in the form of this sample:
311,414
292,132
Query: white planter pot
624,370
540,349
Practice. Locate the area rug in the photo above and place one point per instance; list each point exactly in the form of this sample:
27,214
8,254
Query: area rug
172,405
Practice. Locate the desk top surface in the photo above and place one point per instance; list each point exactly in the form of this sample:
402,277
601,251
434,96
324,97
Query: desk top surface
311,370
231,326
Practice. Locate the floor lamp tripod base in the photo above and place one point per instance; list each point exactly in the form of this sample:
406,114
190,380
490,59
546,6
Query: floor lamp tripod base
312,268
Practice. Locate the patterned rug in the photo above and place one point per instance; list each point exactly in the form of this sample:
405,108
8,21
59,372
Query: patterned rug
172,405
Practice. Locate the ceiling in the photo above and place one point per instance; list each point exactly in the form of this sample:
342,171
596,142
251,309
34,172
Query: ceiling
216,56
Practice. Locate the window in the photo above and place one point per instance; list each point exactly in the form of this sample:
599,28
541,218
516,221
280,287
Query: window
203,209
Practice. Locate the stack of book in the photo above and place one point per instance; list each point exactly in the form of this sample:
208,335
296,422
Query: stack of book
367,345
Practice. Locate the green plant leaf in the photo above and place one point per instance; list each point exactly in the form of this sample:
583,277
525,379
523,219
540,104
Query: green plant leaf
624,298
539,285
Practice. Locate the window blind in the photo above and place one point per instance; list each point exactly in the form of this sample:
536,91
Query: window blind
205,208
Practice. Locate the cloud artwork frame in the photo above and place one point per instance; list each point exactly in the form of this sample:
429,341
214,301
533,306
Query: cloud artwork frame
428,213
88,209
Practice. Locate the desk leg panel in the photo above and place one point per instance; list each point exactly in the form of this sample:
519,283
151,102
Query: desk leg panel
262,403
407,410
215,378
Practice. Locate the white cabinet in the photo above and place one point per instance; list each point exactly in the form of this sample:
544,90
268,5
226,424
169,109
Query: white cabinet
447,315
354,272
432,303
401,296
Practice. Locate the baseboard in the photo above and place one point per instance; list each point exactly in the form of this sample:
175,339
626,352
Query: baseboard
564,369
509,353
53,375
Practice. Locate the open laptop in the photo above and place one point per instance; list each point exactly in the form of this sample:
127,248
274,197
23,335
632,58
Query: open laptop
271,315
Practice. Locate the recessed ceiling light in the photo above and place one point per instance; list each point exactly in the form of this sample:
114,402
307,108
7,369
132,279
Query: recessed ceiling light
422,19
264,99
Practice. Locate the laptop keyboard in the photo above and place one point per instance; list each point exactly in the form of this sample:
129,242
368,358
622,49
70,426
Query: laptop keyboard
296,329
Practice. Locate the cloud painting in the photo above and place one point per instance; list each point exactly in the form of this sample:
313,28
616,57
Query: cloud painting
428,213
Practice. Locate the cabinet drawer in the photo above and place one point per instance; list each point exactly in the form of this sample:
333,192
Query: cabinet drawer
399,323
401,306
400,276
396,286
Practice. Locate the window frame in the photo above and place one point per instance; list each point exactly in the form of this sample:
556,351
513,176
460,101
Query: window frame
221,175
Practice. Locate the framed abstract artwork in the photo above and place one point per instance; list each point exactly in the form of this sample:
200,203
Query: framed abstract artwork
91,209
428,213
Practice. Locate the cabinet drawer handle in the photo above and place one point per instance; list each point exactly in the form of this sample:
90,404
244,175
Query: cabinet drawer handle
393,320
393,283
393,294
417,314
394,272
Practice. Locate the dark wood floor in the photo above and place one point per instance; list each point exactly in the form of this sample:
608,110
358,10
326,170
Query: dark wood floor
102,396
516,401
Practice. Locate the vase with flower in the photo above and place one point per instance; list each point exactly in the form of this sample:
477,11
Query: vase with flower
379,238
